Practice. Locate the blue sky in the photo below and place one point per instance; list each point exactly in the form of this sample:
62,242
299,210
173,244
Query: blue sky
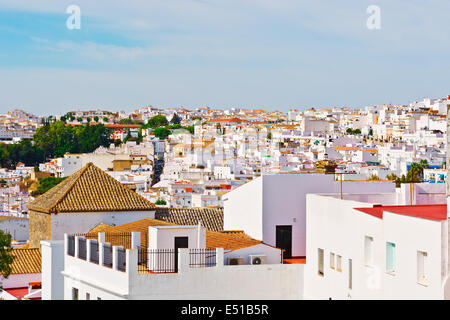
230,53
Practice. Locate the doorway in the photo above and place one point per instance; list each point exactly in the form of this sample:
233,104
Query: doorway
180,242
284,240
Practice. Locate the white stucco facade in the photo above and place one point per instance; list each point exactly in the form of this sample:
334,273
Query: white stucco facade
335,227
274,200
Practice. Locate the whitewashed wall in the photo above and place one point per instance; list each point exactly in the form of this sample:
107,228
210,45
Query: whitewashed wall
85,221
253,282
334,225
20,280
260,205
18,228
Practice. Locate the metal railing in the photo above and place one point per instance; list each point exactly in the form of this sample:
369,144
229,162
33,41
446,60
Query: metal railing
71,246
94,252
82,248
202,258
116,239
157,260
107,255
121,259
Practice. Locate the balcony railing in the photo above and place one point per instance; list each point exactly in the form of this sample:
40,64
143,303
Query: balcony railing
157,260
201,258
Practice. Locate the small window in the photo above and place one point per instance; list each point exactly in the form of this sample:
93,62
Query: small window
390,257
98,298
320,266
339,263
368,251
88,296
422,259
74,294
350,274
331,260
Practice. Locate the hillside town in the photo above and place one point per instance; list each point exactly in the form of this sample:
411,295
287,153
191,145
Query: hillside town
172,203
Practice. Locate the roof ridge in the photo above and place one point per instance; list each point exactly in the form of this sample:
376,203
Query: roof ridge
70,186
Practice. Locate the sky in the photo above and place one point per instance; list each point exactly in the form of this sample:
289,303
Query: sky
276,55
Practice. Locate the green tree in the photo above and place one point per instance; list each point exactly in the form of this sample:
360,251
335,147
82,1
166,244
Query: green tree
157,121
22,151
191,129
57,139
160,202
96,118
46,184
88,119
105,119
80,119
162,133
175,119
6,256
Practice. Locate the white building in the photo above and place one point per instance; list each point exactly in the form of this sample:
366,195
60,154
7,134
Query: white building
195,272
361,250
273,207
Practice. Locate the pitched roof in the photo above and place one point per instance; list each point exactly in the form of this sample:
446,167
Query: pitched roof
211,218
26,261
90,189
229,240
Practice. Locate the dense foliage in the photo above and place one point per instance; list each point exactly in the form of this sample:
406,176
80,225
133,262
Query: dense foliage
56,138
175,119
6,257
160,202
157,121
23,151
351,131
46,184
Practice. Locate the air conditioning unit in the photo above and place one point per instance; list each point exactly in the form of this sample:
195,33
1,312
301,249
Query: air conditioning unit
257,259
235,261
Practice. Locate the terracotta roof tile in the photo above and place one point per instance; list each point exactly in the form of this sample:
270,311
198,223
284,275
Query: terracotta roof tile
211,218
229,240
90,189
26,261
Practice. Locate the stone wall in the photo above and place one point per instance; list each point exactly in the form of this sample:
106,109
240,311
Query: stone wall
40,227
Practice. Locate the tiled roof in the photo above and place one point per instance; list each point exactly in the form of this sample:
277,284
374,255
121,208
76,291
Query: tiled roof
26,261
211,218
229,240
90,189
100,227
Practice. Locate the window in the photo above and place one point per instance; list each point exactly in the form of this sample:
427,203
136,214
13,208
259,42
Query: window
422,259
331,260
390,257
98,298
320,266
339,263
350,274
88,296
368,251
74,294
